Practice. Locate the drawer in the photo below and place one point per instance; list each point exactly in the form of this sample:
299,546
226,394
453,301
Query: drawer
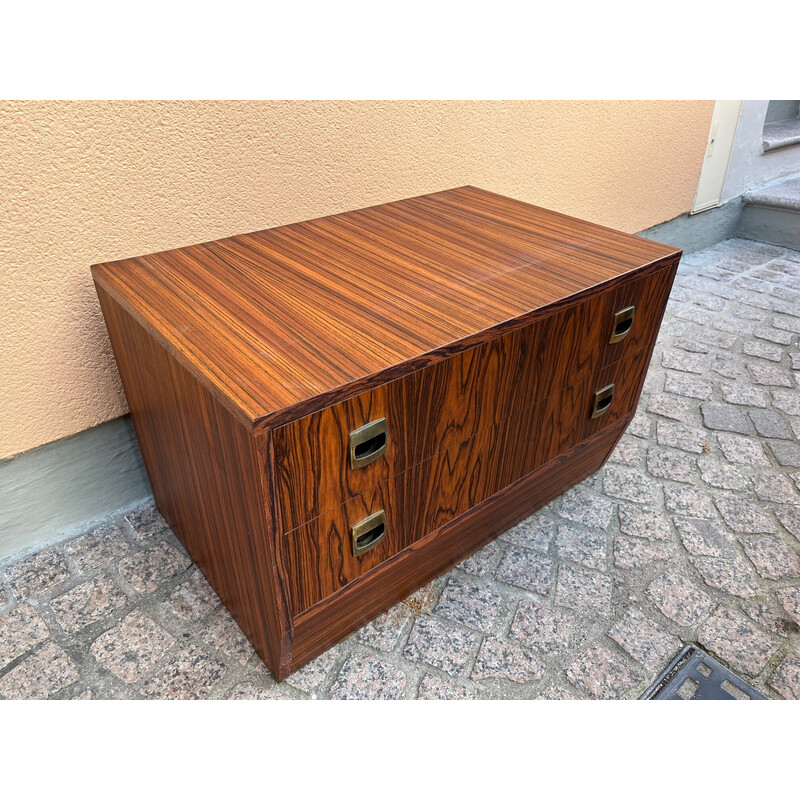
320,554
440,406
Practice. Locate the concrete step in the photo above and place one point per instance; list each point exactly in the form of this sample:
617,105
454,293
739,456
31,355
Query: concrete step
781,134
771,213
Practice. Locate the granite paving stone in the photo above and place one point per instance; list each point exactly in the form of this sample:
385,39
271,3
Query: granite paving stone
579,504
787,454
149,569
132,647
672,407
737,641
782,323
94,550
786,680
501,660
38,572
193,599
770,616
249,690
775,489
4,598
222,633
725,417
687,501
644,640
310,677
484,562
88,602
789,517
741,450
680,436
471,605
21,628
432,687
754,347
584,590
146,522
445,646
688,386
628,485
526,569
555,693
542,628
533,533
683,362
670,465
586,547
39,676
721,475
643,522
789,598
703,537
637,553
640,426
626,452
743,395
772,557
678,599
771,335
602,674
770,424
189,674
385,631
742,515
768,375
788,402
729,575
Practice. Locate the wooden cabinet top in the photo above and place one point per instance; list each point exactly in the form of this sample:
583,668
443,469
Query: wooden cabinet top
280,322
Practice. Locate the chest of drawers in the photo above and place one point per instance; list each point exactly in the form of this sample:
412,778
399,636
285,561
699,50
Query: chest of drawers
334,412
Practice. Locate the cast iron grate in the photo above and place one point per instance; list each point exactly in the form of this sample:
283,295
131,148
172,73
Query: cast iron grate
694,675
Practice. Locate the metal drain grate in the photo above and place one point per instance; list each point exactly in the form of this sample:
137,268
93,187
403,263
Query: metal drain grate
694,675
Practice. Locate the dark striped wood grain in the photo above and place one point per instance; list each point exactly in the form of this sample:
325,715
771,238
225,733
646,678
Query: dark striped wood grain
208,480
477,325
454,399
433,493
281,322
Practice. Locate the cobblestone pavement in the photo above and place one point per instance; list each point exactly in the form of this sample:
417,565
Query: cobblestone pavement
690,533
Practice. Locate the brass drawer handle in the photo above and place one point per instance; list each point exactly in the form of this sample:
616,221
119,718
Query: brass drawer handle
623,322
368,443
602,400
368,533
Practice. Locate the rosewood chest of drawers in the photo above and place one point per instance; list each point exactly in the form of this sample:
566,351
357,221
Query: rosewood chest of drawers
332,413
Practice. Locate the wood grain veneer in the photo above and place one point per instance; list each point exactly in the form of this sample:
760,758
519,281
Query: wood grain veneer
477,325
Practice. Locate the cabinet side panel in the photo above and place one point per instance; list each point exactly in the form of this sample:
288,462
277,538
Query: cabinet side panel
205,473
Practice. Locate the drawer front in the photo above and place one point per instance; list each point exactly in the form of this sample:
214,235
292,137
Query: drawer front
320,554
435,409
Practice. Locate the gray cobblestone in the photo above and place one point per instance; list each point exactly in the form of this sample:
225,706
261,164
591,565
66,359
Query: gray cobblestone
744,395
724,417
787,454
687,385
741,515
687,501
526,569
721,475
627,485
775,489
770,425
772,557
788,402
703,537
668,405
680,436
759,349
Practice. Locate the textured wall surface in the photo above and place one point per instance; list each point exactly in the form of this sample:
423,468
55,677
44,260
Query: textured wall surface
94,181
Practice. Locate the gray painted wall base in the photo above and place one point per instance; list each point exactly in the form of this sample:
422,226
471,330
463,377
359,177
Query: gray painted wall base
780,226
58,490
697,231
61,489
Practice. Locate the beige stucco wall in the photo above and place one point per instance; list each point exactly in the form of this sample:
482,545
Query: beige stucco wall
93,181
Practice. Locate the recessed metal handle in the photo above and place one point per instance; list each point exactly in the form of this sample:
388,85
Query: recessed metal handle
368,443
368,533
623,322
602,400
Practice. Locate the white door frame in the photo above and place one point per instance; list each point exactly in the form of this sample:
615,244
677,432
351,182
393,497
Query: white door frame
718,153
